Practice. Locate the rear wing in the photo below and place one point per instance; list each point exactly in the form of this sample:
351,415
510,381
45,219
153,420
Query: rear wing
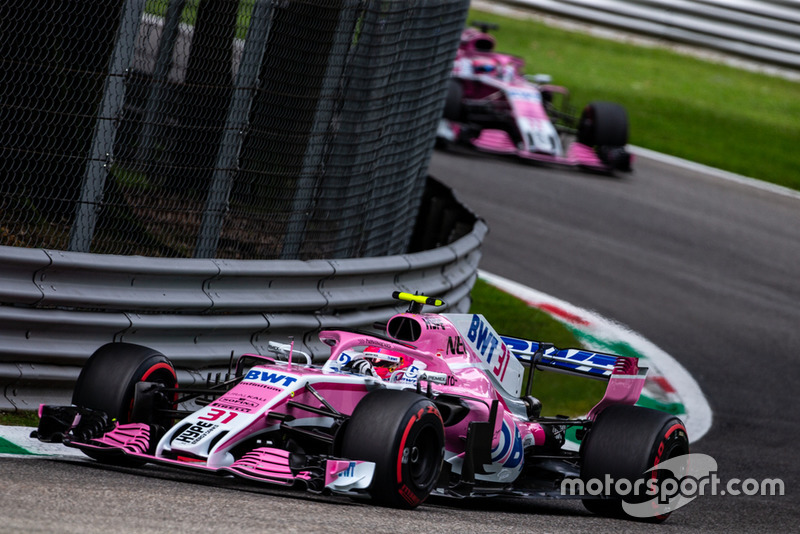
624,376
546,357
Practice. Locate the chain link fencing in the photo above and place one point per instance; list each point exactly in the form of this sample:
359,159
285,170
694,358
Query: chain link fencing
241,129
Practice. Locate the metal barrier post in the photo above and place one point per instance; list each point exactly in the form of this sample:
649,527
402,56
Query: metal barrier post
101,155
235,124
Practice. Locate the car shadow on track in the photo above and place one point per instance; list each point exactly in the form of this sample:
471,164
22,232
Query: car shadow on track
466,152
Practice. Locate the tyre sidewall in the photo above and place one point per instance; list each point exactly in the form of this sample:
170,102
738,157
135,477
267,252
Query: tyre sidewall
624,443
108,379
603,124
384,428
453,107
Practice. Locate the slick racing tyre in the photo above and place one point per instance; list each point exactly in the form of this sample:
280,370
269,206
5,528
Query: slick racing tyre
108,381
453,107
603,124
402,433
623,443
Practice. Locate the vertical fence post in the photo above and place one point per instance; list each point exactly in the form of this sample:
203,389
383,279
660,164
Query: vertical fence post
101,152
150,131
372,65
230,145
322,129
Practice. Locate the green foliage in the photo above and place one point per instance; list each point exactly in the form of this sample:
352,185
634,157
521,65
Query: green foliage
189,13
19,418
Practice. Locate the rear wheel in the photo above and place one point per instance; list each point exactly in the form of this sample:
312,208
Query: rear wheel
108,381
623,443
402,433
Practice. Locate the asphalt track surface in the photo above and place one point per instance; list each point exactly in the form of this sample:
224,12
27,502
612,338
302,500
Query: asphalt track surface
706,269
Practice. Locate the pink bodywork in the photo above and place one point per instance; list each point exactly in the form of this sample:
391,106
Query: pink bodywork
458,355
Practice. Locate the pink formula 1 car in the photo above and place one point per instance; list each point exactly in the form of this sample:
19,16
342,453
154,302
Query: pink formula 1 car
493,107
434,404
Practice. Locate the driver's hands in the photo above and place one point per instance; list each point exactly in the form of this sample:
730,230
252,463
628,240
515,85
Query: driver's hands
362,367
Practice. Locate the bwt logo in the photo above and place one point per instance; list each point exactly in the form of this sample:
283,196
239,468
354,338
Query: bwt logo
481,336
412,373
271,377
349,472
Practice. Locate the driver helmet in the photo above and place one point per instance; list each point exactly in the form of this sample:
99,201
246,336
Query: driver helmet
385,361
483,65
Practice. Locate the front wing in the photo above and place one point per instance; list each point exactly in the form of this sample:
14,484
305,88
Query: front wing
577,154
90,431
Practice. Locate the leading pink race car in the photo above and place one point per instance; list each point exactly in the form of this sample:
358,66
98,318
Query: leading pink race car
434,404
493,107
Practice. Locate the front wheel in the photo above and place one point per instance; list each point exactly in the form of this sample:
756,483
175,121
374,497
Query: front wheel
603,124
403,434
453,105
108,381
